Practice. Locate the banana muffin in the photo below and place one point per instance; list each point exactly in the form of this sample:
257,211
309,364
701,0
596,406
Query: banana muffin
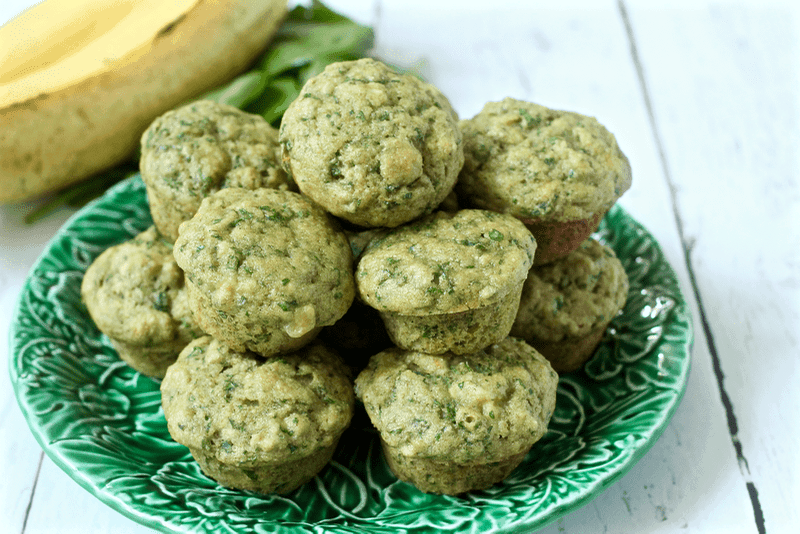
265,269
448,281
190,152
262,424
557,171
136,296
455,423
372,146
567,305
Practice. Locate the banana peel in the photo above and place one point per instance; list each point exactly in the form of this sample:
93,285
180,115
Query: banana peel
81,80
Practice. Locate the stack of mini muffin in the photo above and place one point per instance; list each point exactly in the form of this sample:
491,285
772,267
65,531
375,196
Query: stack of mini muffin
260,405
255,272
457,402
559,172
343,233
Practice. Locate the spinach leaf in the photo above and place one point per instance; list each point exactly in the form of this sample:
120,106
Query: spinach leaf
310,39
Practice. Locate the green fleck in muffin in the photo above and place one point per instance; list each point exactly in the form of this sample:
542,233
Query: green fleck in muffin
558,171
200,148
372,146
136,296
567,305
265,269
448,281
262,424
454,423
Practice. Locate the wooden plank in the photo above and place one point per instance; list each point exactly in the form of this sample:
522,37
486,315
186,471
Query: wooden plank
61,505
20,463
727,109
21,453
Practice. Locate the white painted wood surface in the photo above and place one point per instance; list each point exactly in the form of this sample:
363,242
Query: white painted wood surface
704,98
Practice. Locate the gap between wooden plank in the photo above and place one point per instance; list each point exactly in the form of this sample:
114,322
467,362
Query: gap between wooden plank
733,427
33,492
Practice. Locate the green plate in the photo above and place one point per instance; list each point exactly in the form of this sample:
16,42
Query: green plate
102,423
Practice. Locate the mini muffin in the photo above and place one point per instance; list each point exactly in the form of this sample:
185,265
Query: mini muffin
262,424
200,148
454,423
265,269
567,305
558,171
372,146
136,296
448,281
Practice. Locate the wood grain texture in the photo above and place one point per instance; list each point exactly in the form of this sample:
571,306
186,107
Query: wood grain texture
20,454
710,119
580,60
730,127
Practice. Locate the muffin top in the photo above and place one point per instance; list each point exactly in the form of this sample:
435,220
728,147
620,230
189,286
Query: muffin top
478,407
372,146
268,257
542,164
135,293
190,152
445,263
573,295
247,409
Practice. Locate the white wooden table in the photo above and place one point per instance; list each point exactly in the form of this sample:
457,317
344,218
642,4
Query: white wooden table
704,98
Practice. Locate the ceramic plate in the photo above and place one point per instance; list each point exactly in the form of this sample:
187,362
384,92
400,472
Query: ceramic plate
102,422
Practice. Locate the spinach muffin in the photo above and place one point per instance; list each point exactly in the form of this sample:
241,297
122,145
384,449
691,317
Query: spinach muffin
557,171
136,296
455,423
372,146
266,269
262,424
193,151
450,281
567,305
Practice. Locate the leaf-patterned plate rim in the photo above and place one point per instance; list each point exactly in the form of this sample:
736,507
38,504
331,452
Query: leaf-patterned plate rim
102,423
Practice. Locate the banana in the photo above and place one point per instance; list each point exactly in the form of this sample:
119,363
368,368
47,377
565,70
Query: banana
80,80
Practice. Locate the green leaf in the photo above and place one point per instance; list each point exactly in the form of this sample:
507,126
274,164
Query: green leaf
79,194
241,90
318,12
274,100
305,42
310,39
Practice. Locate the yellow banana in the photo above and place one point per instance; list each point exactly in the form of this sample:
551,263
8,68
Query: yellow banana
80,80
